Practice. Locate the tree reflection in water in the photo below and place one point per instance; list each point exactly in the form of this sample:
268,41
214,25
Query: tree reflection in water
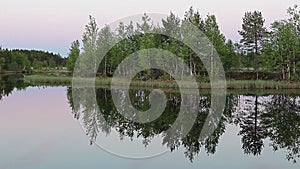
10,82
273,117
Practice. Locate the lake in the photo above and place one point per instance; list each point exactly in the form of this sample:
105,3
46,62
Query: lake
45,127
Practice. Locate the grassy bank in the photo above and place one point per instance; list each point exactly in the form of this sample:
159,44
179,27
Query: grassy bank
262,84
7,72
231,84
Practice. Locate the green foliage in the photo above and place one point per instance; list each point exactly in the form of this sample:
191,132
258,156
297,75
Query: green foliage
229,58
89,53
36,64
282,51
253,31
2,63
294,17
105,40
52,63
20,60
253,34
257,49
73,55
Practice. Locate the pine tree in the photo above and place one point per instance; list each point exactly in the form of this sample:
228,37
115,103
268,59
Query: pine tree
253,33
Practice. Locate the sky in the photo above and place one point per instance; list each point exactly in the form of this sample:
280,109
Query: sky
53,25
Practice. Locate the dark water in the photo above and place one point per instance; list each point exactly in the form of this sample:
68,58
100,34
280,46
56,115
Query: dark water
44,127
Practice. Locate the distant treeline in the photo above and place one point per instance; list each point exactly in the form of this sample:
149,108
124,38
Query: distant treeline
23,60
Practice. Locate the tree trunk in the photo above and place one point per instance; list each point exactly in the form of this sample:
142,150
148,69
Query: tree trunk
283,73
211,62
282,66
256,54
294,63
289,71
194,65
104,71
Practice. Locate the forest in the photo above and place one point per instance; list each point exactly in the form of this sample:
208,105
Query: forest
265,53
20,60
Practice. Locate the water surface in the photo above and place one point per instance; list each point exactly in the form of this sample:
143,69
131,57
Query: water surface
41,128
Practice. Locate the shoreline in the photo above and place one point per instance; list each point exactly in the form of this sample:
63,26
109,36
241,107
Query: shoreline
231,84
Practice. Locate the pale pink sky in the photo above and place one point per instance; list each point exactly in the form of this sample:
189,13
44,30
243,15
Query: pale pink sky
53,25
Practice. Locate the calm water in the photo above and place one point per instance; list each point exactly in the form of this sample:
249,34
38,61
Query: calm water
42,127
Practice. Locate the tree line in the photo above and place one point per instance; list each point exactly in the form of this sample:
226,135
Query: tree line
260,50
23,60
